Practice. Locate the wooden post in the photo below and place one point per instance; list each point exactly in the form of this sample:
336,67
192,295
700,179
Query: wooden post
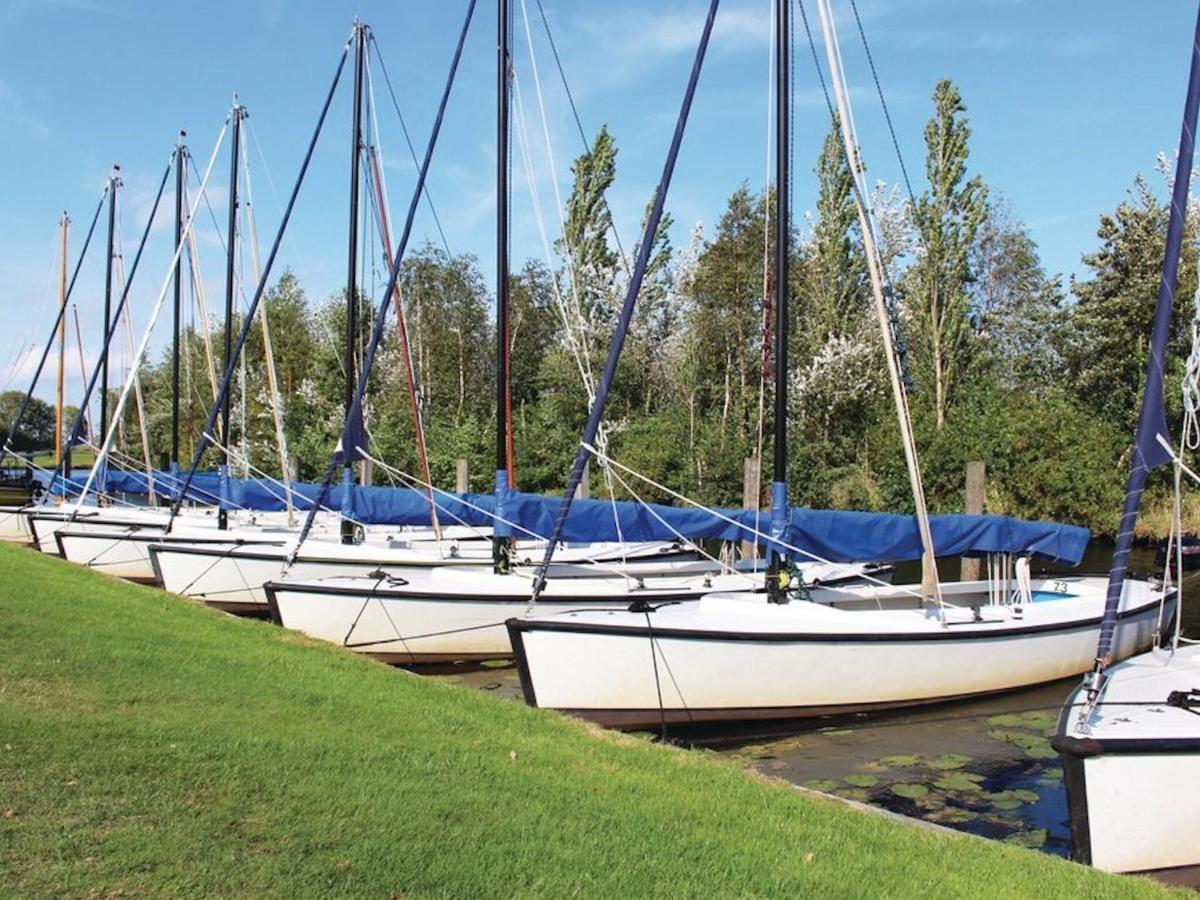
584,490
461,479
976,491
751,467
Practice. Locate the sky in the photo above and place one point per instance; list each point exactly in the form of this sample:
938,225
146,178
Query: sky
1067,103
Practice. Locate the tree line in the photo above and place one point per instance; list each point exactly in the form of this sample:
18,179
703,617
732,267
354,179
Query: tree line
1006,363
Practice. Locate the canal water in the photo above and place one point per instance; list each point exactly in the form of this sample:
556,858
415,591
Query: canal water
983,766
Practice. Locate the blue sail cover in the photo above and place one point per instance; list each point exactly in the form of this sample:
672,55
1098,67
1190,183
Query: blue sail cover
835,535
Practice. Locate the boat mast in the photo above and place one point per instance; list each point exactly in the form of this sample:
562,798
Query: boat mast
114,182
237,113
777,575
63,224
352,272
502,533
930,586
180,161
1151,445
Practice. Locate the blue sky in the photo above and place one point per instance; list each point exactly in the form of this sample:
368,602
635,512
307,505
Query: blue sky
1067,101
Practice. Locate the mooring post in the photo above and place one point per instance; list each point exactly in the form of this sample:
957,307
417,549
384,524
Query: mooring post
584,490
975,495
751,466
461,481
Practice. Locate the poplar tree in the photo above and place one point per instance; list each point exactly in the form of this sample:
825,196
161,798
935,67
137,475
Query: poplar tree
947,217
836,291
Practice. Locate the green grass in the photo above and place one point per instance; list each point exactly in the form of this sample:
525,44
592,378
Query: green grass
150,746
81,459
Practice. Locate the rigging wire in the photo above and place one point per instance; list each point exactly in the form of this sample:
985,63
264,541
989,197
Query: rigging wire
408,140
891,296
587,145
883,104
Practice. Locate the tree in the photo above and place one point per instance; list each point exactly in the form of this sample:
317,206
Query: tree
37,428
1108,334
947,216
1016,308
836,293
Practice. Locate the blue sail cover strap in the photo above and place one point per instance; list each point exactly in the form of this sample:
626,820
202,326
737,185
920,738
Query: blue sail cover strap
1148,449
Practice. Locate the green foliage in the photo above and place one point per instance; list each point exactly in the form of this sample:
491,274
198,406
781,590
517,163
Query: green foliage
37,428
1040,386
948,215
1107,342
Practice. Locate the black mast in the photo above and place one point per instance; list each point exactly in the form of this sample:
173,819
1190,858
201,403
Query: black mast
776,569
502,535
114,182
238,113
352,266
180,162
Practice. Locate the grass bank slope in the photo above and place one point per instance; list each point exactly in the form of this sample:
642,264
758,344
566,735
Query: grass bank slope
150,746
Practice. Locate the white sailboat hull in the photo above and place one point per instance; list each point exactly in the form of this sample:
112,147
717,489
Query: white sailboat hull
127,554
44,523
232,578
457,613
736,657
1132,767
13,525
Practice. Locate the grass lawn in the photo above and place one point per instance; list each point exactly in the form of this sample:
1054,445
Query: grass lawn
150,746
79,458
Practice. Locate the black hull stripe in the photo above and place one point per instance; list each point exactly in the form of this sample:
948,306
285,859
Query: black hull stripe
674,556
688,634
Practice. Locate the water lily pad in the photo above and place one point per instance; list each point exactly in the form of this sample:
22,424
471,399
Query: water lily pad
906,761
964,782
1040,720
910,791
1034,839
949,761
860,795
824,785
496,663
952,815
931,802
864,781
1034,745
1006,805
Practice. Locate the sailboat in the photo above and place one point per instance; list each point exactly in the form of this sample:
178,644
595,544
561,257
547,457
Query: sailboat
231,576
1129,735
783,653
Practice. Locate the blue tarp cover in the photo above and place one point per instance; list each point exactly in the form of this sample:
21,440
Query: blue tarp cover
836,535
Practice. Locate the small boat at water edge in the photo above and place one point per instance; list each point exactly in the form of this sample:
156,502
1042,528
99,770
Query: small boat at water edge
1129,735
458,614
1189,553
231,578
735,656
1131,763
